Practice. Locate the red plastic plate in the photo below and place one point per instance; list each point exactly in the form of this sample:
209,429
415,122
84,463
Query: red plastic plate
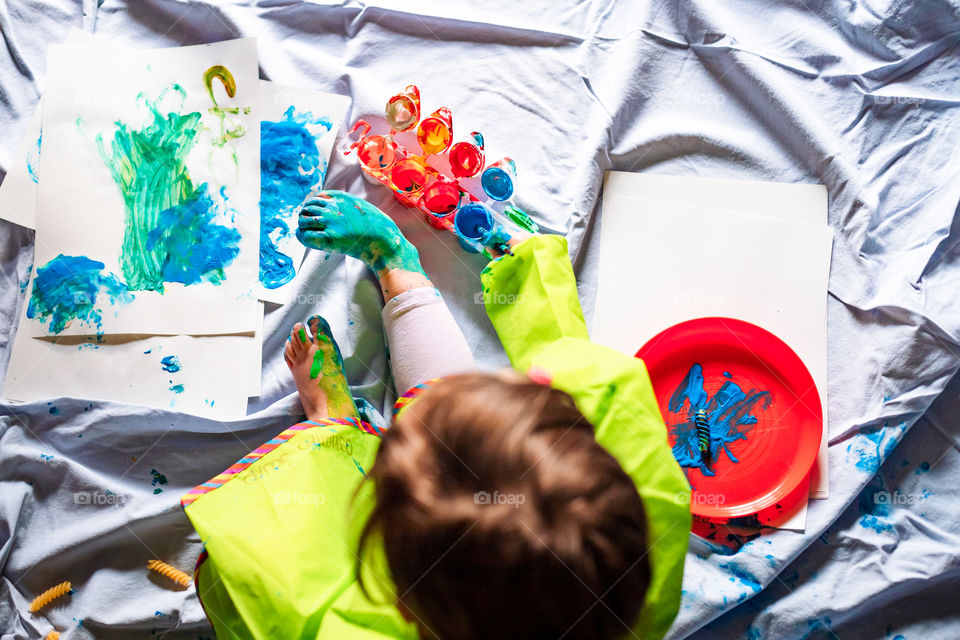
779,449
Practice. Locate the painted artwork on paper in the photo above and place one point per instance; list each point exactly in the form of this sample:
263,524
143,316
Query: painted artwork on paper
297,132
161,171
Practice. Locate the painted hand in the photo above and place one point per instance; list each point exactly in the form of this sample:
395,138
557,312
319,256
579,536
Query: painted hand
339,222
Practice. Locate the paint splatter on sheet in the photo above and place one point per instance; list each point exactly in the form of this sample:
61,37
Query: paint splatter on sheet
729,414
67,288
170,364
290,167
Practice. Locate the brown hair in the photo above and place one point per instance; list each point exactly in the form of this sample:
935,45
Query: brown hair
501,516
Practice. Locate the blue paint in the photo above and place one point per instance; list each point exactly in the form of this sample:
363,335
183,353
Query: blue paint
194,247
26,281
875,508
728,414
923,468
45,457
171,364
66,289
753,633
33,160
816,624
874,444
497,183
738,573
473,221
771,560
290,167
177,388
148,351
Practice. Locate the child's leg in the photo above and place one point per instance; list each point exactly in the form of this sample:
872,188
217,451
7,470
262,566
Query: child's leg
425,341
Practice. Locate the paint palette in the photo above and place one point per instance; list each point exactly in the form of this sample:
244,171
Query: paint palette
742,412
434,178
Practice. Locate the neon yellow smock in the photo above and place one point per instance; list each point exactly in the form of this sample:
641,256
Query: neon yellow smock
280,526
531,298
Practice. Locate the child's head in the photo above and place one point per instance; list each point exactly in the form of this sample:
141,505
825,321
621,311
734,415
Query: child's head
502,517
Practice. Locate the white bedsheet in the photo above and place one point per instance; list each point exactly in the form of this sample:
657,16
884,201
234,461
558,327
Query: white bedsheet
861,97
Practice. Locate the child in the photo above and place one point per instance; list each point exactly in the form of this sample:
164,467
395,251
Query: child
501,505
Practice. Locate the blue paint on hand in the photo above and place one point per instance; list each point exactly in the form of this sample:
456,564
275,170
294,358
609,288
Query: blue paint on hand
194,246
290,167
170,364
66,289
729,415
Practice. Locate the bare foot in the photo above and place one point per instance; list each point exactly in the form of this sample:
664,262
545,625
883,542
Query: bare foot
317,367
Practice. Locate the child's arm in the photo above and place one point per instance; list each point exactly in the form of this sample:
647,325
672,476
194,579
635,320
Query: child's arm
531,298
425,341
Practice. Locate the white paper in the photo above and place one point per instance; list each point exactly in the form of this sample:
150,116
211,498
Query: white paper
81,211
18,191
767,271
321,115
215,371
796,202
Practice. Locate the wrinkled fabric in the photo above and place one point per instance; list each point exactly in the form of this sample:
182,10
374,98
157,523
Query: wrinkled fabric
861,97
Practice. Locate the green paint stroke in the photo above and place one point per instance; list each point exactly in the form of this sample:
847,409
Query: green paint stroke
328,371
229,130
162,203
317,365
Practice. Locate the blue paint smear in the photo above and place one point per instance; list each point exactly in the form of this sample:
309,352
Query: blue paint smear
197,249
738,573
66,289
728,414
874,444
33,160
923,468
171,364
290,166
177,388
54,411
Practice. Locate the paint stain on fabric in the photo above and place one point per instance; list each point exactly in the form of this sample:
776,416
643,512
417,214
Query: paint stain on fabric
157,480
729,415
873,444
33,160
875,508
290,167
67,288
169,231
922,469
170,364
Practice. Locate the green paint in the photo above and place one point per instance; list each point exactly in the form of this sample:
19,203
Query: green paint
327,369
229,130
303,335
148,165
317,365
342,223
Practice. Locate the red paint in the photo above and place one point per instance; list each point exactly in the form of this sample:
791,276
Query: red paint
440,197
